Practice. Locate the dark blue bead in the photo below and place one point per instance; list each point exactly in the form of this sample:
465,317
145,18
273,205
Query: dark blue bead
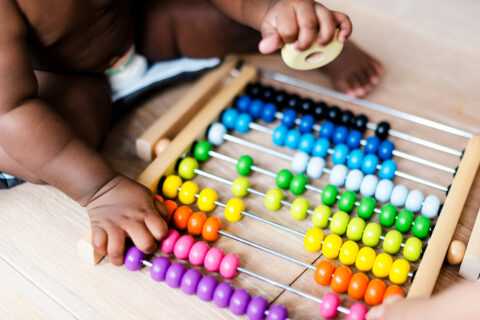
369,164
306,123
279,135
339,135
255,108
326,129
306,143
243,123
291,141
387,171
268,113
320,148
289,117
355,159
340,153
242,103
353,139
385,150
229,118
371,145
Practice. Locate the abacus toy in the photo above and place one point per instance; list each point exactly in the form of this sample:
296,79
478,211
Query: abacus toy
381,217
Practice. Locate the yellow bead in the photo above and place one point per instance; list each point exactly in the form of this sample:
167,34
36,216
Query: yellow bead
348,252
299,208
233,210
399,271
187,193
382,265
331,246
240,186
206,200
365,259
171,185
313,239
273,198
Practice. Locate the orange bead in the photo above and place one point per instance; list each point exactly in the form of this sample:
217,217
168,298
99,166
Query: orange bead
358,285
171,207
196,222
392,291
341,279
375,291
159,197
210,229
181,217
323,273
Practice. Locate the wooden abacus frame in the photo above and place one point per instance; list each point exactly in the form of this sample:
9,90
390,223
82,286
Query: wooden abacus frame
207,105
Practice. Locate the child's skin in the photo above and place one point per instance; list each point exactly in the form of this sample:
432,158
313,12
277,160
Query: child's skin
55,101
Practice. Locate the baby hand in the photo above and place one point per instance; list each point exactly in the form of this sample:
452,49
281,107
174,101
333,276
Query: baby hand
125,208
301,21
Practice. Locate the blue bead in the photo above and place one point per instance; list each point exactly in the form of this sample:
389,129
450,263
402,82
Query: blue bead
268,113
369,164
243,123
289,117
279,135
340,153
229,118
242,103
353,139
306,143
326,129
339,135
355,159
292,138
372,145
255,108
385,150
387,171
320,148
306,123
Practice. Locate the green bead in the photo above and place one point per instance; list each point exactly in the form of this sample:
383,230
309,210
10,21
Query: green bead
329,195
201,150
366,207
421,227
298,183
371,234
339,223
299,208
273,198
283,178
320,216
244,165
186,168
404,220
355,229
392,242
240,186
412,249
347,201
387,215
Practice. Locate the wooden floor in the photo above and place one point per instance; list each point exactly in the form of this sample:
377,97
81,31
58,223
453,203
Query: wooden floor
430,54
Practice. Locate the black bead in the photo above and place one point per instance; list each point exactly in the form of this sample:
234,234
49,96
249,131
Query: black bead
280,99
320,111
382,130
334,114
346,118
306,106
254,90
293,102
360,122
268,94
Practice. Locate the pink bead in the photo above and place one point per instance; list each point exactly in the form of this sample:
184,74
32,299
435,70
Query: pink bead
183,246
229,265
213,258
358,311
169,242
198,253
329,305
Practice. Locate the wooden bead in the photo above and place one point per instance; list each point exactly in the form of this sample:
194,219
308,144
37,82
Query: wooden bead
456,251
161,145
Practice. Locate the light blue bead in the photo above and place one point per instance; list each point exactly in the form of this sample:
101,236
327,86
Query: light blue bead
385,150
355,159
268,113
388,169
340,153
399,195
243,123
306,123
371,145
320,148
326,129
216,133
306,143
384,190
299,162
414,201
229,118
353,139
354,180
369,164
338,175
368,186
431,206
242,103
289,117
255,108
339,135
315,167
279,135
292,138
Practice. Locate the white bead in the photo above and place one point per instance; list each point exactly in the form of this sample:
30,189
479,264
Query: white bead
338,175
414,201
368,186
216,133
299,162
315,167
130,75
430,206
399,195
354,180
384,190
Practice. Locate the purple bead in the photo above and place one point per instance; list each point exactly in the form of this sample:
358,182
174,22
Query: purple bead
175,274
133,259
190,281
277,312
159,268
206,287
222,294
256,308
239,302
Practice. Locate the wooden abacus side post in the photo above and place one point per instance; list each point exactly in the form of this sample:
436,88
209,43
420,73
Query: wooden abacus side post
470,267
427,273
151,175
